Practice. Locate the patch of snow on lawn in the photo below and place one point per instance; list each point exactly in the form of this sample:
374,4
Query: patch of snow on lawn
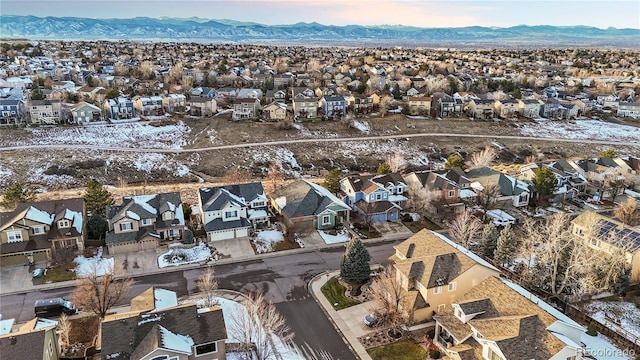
626,312
582,129
87,266
265,240
5,173
414,216
284,158
412,154
342,236
361,125
148,162
181,256
133,135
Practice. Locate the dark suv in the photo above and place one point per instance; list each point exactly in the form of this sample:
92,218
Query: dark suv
54,307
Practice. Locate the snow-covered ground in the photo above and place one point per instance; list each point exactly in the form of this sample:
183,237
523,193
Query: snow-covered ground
411,152
265,240
283,157
625,312
361,125
342,236
582,129
133,135
96,264
178,255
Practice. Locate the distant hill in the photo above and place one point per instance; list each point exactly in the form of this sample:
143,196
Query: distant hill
205,30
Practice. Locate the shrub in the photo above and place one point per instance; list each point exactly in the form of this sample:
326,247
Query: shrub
434,354
431,333
591,329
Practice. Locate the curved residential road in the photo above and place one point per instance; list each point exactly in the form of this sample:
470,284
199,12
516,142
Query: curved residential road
326,140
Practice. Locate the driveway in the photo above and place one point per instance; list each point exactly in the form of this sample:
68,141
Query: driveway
392,228
353,317
236,248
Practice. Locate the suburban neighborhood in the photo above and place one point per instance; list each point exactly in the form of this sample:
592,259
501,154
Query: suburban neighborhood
172,200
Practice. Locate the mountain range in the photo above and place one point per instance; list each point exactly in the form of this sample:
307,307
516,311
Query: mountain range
205,30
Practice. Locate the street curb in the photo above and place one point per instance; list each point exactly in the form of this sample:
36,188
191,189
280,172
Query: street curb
326,313
306,249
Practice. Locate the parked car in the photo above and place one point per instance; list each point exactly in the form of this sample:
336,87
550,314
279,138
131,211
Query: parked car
54,307
371,319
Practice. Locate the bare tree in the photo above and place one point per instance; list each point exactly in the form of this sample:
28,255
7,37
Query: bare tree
274,176
260,327
208,284
487,197
396,162
465,229
628,212
385,103
421,200
389,298
482,158
63,329
237,175
98,293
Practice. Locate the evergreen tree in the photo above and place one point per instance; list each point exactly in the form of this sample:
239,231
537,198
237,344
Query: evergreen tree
36,94
384,168
545,181
489,239
506,247
332,180
15,194
97,227
354,266
112,93
97,198
454,161
609,153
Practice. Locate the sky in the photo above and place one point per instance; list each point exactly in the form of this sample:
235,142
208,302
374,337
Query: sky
422,13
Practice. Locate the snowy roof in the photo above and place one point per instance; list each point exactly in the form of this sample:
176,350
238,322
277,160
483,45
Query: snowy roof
466,193
164,299
40,216
6,325
175,342
143,200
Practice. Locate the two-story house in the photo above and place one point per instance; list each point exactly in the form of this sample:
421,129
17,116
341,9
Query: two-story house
148,105
506,108
12,112
512,192
85,113
305,102
144,222
449,106
530,108
434,271
275,111
158,328
174,103
275,95
282,81
333,106
306,204
119,108
629,109
39,229
447,185
229,212
375,198
363,104
419,105
45,111
498,320
245,108
36,339
202,106
609,236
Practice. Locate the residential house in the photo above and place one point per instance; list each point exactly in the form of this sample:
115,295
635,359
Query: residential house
499,320
419,105
246,108
610,101
275,111
148,105
629,109
363,104
449,106
569,174
306,204
158,328
259,80
119,108
249,94
67,86
275,95
229,212
88,92
449,187
333,106
204,92
564,189
84,113
227,92
482,109
282,81
604,175
174,103
202,106
434,272
145,222
512,192
45,111
41,228
375,198
36,339
506,108
530,108
610,236
12,112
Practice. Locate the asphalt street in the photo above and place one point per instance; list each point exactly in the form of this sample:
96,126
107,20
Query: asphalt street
282,278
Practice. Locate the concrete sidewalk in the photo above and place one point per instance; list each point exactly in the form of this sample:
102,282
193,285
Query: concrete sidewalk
347,327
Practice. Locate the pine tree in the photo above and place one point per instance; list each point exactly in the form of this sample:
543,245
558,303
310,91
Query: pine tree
97,198
15,194
545,181
97,226
506,247
384,168
354,266
489,239
332,180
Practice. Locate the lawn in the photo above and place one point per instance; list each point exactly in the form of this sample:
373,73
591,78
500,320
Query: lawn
423,223
402,350
58,275
334,292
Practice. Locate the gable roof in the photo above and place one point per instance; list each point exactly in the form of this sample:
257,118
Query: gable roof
304,198
610,230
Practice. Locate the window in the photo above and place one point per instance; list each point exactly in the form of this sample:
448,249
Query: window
451,193
126,226
146,222
206,348
231,214
168,215
493,355
326,219
378,197
64,223
14,236
459,313
161,357
174,232
437,290
38,230
258,203
452,286
595,242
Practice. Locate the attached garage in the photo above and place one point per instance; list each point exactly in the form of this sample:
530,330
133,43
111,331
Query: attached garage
227,234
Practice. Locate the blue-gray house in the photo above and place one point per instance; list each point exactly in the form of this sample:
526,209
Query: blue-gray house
375,198
120,108
12,112
333,105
